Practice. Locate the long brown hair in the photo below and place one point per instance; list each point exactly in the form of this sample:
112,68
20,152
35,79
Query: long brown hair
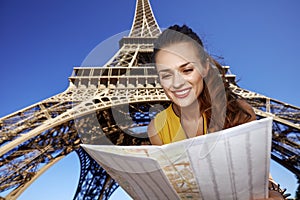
217,100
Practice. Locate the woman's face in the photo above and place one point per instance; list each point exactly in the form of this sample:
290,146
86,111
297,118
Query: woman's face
179,69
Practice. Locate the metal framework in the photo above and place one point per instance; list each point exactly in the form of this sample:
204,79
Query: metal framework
113,103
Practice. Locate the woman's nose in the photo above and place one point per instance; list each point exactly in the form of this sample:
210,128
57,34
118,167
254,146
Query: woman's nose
178,80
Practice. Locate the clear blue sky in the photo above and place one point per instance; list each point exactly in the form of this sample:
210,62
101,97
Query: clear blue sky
41,42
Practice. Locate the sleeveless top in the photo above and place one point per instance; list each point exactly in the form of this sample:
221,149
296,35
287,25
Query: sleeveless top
168,126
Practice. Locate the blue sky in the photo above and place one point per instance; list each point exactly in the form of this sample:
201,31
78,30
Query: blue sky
41,42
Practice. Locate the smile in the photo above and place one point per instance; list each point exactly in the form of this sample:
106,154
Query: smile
182,93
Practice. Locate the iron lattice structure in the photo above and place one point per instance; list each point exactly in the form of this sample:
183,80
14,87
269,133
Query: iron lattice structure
110,103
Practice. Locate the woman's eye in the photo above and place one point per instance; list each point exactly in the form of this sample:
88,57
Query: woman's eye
189,70
165,76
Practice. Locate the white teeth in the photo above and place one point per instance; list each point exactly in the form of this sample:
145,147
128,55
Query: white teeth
182,92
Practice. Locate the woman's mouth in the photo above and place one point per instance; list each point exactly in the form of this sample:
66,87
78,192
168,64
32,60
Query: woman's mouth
182,93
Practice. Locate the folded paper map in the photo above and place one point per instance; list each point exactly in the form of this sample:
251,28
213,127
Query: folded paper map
229,164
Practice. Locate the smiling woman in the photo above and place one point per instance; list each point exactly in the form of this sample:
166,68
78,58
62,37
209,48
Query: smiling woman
202,101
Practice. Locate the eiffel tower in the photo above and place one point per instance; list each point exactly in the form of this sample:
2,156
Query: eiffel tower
110,103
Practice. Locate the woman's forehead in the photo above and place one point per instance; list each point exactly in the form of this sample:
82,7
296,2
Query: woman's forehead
184,52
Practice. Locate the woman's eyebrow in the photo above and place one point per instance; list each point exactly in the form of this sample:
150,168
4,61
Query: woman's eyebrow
180,66
164,70
184,64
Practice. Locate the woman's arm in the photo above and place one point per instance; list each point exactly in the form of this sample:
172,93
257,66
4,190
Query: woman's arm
152,134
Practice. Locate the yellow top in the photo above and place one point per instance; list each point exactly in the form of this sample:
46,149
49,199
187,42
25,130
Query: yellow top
168,127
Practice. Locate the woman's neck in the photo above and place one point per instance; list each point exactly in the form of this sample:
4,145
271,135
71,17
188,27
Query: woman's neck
190,112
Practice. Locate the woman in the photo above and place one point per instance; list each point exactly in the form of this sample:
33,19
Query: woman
194,82
201,100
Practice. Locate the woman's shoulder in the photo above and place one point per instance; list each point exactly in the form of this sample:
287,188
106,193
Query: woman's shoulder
164,113
159,117
157,123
